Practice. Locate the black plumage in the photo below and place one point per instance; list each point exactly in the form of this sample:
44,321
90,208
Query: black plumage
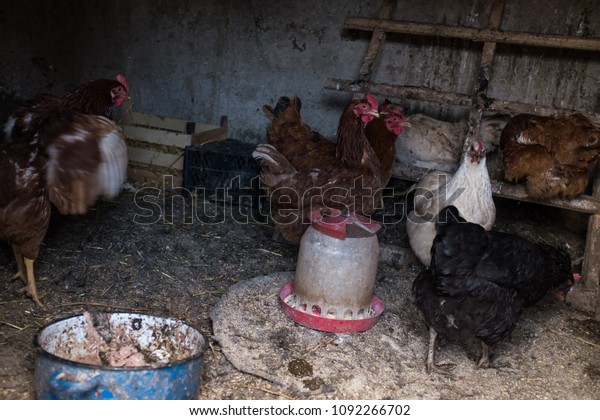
478,282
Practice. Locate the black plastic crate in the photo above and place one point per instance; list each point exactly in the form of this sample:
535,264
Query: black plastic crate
226,168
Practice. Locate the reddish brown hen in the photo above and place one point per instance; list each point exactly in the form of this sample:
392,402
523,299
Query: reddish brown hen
71,161
351,182
97,97
308,149
554,156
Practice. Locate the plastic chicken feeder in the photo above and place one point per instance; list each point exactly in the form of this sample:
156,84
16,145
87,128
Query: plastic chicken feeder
335,275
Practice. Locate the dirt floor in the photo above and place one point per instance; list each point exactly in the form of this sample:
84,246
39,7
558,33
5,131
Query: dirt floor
120,257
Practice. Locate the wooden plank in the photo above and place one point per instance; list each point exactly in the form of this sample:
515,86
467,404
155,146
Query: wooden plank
376,43
156,158
478,104
585,295
489,48
511,107
582,203
162,137
395,91
167,123
207,136
449,98
474,34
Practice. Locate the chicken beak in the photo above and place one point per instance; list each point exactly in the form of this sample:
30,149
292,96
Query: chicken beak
369,116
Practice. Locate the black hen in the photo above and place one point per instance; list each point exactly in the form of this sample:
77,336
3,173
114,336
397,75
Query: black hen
479,281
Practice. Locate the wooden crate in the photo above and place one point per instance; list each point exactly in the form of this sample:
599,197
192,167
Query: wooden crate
156,145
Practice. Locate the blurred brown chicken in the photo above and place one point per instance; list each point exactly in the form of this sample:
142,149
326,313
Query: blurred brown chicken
350,182
60,151
97,97
308,149
71,161
554,156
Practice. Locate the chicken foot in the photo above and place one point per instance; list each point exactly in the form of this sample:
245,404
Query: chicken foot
484,362
430,366
25,266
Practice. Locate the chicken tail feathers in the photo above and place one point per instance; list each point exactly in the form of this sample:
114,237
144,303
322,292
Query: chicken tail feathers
269,158
87,160
284,103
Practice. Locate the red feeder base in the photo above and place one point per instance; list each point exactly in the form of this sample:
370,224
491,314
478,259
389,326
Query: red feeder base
325,323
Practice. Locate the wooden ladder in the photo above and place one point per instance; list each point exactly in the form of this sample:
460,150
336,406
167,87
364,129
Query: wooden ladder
586,294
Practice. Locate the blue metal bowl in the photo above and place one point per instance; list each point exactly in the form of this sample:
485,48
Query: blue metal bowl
69,366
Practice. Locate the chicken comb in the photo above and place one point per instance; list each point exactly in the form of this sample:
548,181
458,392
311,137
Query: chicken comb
121,79
372,100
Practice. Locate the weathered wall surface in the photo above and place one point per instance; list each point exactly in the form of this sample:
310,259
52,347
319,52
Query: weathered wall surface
204,59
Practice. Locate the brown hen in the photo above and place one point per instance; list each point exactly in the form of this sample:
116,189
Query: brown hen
308,149
71,161
351,182
554,156
97,97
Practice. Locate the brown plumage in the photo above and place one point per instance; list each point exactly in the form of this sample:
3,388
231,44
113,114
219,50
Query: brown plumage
70,162
97,97
554,156
307,149
351,182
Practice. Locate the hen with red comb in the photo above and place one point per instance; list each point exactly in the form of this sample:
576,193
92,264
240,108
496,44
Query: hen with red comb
61,152
347,176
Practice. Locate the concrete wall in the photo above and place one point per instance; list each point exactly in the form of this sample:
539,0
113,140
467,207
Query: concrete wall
203,59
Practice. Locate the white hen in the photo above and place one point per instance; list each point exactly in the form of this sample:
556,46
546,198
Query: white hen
469,189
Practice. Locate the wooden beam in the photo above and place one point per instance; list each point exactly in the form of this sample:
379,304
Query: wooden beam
395,91
479,100
474,34
210,135
166,123
156,158
449,98
585,294
376,43
169,123
152,135
582,203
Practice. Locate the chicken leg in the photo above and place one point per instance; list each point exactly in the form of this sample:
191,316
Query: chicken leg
21,273
25,266
484,362
430,366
